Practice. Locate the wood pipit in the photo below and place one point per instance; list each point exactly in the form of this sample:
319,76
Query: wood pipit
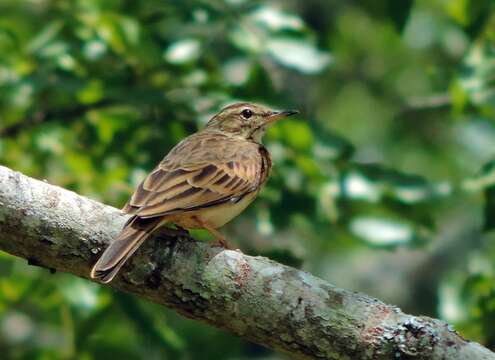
204,182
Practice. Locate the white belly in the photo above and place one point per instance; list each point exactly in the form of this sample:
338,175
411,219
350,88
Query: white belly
218,216
215,216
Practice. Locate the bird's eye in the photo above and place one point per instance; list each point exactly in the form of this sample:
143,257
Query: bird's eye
246,113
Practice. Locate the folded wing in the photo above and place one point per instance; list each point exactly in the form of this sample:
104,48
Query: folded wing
197,181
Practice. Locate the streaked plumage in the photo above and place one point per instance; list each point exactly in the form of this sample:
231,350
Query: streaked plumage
203,182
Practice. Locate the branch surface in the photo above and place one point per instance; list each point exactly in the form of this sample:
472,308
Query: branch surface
253,297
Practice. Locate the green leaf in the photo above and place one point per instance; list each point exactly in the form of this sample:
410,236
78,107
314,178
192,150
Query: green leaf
110,120
297,134
45,36
120,32
92,92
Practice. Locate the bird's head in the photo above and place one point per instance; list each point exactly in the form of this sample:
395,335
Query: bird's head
245,120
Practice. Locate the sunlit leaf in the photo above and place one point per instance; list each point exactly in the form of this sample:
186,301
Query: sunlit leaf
94,49
182,51
357,186
120,32
478,76
81,294
381,231
50,139
298,54
274,19
245,39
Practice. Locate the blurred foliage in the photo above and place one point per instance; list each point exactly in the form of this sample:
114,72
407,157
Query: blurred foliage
391,161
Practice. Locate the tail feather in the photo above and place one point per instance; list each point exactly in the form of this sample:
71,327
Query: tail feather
135,231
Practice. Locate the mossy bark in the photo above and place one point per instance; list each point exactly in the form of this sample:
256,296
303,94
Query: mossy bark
258,299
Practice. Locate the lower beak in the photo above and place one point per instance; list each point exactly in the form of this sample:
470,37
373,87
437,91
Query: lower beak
277,115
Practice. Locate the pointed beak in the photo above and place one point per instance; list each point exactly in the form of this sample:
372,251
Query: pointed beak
277,115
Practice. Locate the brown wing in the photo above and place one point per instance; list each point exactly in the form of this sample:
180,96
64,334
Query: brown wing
202,171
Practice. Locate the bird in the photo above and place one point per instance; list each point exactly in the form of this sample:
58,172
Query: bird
205,181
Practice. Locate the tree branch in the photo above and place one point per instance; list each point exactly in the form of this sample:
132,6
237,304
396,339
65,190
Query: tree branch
258,299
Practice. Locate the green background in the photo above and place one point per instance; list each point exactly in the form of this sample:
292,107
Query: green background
383,184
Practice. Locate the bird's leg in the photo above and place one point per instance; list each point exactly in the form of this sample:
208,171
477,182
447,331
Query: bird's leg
221,239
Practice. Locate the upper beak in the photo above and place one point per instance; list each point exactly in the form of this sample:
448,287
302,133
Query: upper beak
277,115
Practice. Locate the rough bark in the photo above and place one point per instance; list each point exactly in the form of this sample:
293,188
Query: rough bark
258,299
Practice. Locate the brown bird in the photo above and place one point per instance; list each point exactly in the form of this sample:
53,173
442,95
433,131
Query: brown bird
204,182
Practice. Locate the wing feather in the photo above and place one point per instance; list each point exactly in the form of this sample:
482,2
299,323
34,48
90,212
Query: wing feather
199,173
